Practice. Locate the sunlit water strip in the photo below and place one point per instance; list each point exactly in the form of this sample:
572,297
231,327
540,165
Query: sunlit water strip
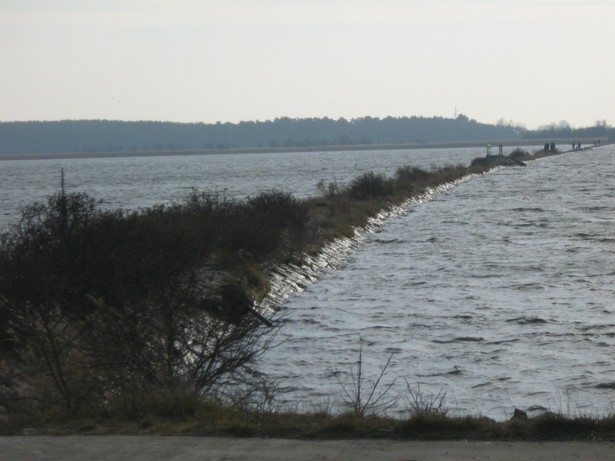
287,279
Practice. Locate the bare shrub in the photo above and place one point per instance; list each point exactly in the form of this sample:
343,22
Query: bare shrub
265,224
98,307
330,190
370,185
277,207
422,404
410,173
519,153
367,398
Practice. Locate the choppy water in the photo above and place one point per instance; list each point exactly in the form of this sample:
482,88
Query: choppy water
499,291
139,182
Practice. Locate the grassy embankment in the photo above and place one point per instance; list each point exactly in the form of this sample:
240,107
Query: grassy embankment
137,323
169,415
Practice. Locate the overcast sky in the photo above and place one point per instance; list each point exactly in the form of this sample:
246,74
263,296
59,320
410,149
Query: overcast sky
533,62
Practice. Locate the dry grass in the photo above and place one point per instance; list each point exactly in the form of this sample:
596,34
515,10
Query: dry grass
173,416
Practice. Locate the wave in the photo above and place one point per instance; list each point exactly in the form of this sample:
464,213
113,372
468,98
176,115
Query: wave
454,372
610,385
503,341
387,241
528,320
522,209
460,339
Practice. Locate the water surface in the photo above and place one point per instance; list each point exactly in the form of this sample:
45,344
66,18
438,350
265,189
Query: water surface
140,182
500,292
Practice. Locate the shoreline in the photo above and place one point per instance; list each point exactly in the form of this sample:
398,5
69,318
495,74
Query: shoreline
280,150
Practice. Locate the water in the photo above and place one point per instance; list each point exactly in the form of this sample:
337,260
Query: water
139,182
499,291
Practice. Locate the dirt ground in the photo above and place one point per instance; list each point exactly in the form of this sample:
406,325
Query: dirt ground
118,448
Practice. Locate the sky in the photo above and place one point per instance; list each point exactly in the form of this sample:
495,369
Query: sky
533,62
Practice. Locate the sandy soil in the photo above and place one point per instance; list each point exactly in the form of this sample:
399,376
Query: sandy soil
117,448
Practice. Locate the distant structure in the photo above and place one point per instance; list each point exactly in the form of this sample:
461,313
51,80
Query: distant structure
499,159
500,150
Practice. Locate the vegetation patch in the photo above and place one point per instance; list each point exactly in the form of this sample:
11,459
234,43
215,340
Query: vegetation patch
147,322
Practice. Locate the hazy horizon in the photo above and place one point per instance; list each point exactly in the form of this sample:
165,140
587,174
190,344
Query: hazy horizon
514,123
529,63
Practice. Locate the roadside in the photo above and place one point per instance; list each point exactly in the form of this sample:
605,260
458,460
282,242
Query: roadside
151,448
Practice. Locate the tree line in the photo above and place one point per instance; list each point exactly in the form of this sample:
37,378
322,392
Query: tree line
119,136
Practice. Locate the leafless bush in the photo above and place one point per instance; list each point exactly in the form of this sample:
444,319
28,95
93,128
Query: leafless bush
370,185
421,404
410,173
101,306
329,190
264,224
367,398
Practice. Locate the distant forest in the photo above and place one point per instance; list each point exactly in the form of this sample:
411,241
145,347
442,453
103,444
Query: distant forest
119,136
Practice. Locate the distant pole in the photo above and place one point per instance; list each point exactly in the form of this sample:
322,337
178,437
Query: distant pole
63,207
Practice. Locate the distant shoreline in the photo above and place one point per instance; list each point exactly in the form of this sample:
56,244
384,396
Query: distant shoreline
270,150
